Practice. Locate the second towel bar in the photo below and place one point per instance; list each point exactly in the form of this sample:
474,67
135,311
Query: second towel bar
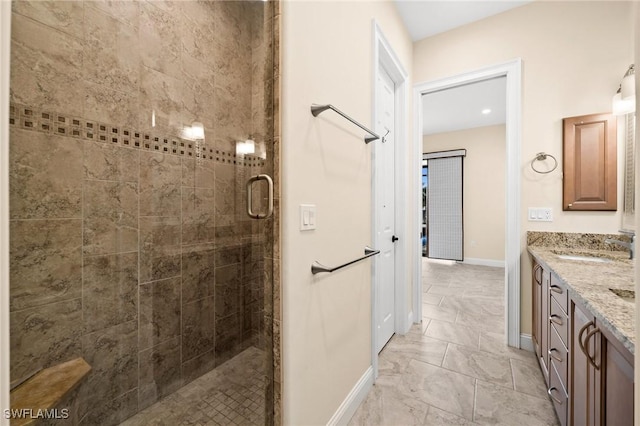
318,267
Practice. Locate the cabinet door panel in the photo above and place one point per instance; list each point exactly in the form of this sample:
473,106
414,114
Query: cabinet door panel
617,385
537,296
590,163
582,386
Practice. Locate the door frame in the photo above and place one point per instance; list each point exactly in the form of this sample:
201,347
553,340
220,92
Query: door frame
5,56
384,57
512,70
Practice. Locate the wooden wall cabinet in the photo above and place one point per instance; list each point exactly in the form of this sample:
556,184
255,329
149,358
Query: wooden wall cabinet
590,162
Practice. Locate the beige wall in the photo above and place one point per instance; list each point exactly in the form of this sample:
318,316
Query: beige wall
483,186
574,55
327,57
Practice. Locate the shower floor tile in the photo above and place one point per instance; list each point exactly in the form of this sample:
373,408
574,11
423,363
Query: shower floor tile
231,394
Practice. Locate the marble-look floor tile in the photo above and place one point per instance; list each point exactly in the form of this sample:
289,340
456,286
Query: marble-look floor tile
528,378
438,417
384,406
431,299
481,322
481,365
441,388
497,405
453,333
443,291
402,350
439,313
496,343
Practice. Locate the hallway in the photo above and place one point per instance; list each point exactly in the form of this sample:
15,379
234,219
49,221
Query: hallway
454,369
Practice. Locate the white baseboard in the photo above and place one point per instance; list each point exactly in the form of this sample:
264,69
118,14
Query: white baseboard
484,262
353,400
526,342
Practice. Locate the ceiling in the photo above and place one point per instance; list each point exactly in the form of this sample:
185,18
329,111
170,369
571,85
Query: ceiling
460,108
424,18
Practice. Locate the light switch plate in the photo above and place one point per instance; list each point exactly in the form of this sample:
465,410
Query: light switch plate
308,217
540,214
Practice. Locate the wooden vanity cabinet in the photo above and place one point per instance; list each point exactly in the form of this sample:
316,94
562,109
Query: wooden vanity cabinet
601,374
589,373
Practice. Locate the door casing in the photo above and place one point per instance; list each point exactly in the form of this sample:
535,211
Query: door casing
384,57
512,70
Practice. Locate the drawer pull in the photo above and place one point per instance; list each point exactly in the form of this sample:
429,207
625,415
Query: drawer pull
556,319
550,392
557,358
535,274
556,289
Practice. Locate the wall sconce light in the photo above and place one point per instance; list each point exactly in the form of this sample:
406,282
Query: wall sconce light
246,147
624,101
194,132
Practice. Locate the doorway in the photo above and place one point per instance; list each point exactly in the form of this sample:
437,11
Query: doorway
512,71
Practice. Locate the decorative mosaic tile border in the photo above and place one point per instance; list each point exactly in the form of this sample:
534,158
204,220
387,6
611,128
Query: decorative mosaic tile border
28,118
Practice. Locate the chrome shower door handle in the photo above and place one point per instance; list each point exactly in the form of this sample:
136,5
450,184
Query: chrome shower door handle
250,182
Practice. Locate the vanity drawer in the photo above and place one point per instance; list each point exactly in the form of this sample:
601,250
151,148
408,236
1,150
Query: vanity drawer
558,355
558,320
558,292
558,395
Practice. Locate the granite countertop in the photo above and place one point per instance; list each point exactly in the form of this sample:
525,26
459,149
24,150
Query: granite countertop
589,282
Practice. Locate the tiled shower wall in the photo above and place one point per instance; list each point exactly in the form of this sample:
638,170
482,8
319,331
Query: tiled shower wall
130,244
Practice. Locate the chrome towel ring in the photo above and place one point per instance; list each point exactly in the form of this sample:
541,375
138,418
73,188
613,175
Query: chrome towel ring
541,156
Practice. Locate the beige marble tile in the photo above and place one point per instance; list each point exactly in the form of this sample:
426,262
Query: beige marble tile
110,290
45,262
113,355
439,313
438,417
46,66
161,96
159,39
198,268
431,299
160,250
438,387
114,411
197,332
111,55
160,177
482,322
443,291
125,11
397,354
496,343
497,405
198,218
160,312
453,333
159,373
528,378
105,104
61,15
110,217
45,176
108,162
481,365
384,406
44,336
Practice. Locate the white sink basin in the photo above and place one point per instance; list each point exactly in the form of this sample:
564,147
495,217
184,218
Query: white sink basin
583,258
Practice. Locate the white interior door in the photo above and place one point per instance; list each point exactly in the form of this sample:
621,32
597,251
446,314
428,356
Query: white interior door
385,210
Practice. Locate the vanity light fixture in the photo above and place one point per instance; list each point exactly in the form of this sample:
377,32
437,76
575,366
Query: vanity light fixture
246,147
486,111
628,85
624,101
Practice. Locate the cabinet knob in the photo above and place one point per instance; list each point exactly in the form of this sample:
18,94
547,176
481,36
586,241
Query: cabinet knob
570,205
